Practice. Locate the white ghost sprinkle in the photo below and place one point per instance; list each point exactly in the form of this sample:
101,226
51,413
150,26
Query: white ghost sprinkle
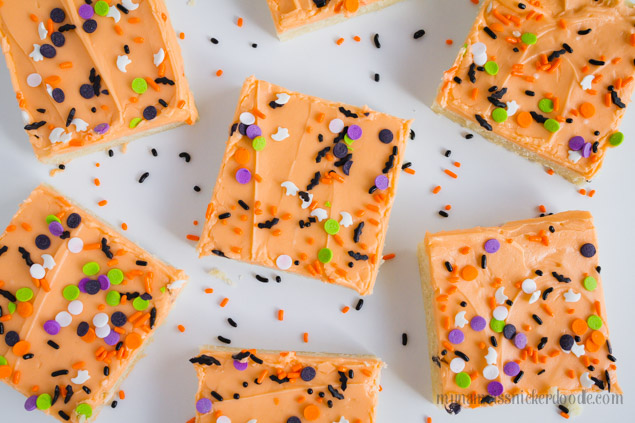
114,13
49,261
571,297
282,98
80,124
41,30
346,220
159,57
512,108
122,62
491,356
128,4
282,134
534,297
459,319
586,82
82,377
321,214
500,295
291,188
35,54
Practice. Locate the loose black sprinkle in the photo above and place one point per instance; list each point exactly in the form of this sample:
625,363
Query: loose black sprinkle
404,339
359,305
547,292
185,156
443,213
376,77
376,41
86,389
111,153
232,323
457,80
493,341
63,415
448,266
106,371
462,355
114,404
584,31
242,204
484,261
59,373
469,136
597,62
543,342
144,177
530,93
224,340
216,395
420,33
262,279
213,40
540,372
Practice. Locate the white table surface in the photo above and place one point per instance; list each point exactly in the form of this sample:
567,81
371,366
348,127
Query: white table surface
493,186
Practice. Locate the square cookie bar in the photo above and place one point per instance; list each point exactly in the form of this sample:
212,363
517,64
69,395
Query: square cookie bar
549,80
89,76
78,304
297,17
516,309
273,386
306,185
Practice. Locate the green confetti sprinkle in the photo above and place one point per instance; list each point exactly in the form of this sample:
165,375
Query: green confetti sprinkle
24,294
491,67
115,276
11,307
101,8
552,125
499,115
71,292
91,268
463,380
43,401
616,139
590,283
113,298
139,85
546,105
331,227
3,361
529,38
259,143
496,325
140,304
594,322
135,122
325,255
52,218
84,410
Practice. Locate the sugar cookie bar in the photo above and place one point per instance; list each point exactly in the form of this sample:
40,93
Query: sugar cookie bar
516,309
92,75
549,80
78,304
273,386
297,17
306,185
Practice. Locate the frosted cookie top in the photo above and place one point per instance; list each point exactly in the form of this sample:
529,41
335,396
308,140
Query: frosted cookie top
87,75
273,387
553,77
306,185
77,304
519,309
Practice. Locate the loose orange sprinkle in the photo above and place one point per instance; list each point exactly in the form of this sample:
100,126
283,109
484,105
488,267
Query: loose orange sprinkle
97,182
181,328
102,203
122,395
305,337
209,290
340,41
345,309
357,39
182,35
219,72
450,173
409,171
118,30
124,226
389,256
591,193
281,315
192,237
582,191
449,42
26,227
66,65
457,164
139,40
224,302
239,22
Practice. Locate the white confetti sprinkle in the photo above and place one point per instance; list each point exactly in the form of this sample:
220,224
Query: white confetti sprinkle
491,356
457,365
500,313
490,372
585,380
49,261
59,135
247,118
37,271
282,134
336,126
35,54
346,220
41,30
80,124
291,188
529,286
512,108
102,332
34,80
571,297
479,52
321,214
82,377
100,319
586,82
223,419
128,4
64,318
534,297
122,62
159,57
282,98
284,262
75,307
114,13
500,295
75,245
459,319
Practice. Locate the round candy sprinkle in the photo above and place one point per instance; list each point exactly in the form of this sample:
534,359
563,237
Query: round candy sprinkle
336,126
496,325
259,143
115,276
478,323
203,406
139,85
100,319
308,374
594,322
576,143
24,294
590,283
500,313
34,80
56,228
57,15
101,8
529,286
112,338
240,366
331,226
247,118
113,298
456,336
37,271
75,307
520,341
354,132
64,318
102,332
43,402
529,38
509,331
253,131
325,255
243,176
48,51
223,419
31,403
586,150
587,250
58,39
457,365
52,327
102,128
85,11
149,113
616,139
82,329
58,95
469,273
386,136
490,372
92,287
140,304
340,150
104,282
91,268
463,380
566,342
89,26
84,410
495,388
546,105
284,262
87,91
552,125
42,242
492,245
118,319
511,368
242,128
499,115
12,338
491,67
382,182
294,419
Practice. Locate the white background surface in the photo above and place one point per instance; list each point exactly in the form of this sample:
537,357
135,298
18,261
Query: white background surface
493,186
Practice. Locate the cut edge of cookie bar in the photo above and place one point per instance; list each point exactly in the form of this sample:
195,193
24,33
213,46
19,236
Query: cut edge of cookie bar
334,20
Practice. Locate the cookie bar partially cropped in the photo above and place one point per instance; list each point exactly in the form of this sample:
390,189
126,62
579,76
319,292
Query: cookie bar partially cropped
297,17
549,80
516,309
78,304
274,386
306,185
92,75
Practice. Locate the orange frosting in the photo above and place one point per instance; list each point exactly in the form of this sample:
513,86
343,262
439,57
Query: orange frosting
300,205
31,356
538,282
574,88
280,388
153,56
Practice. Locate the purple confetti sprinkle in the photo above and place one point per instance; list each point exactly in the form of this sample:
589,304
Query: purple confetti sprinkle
520,340
586,150
354,132
112,338
56,228
86,11
253,131
82,285
576,143
478,323
511,368
104,282
204,405
243,176
52,327
101,129
31,403
492,245
494,388
381,182
456,336
240,366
